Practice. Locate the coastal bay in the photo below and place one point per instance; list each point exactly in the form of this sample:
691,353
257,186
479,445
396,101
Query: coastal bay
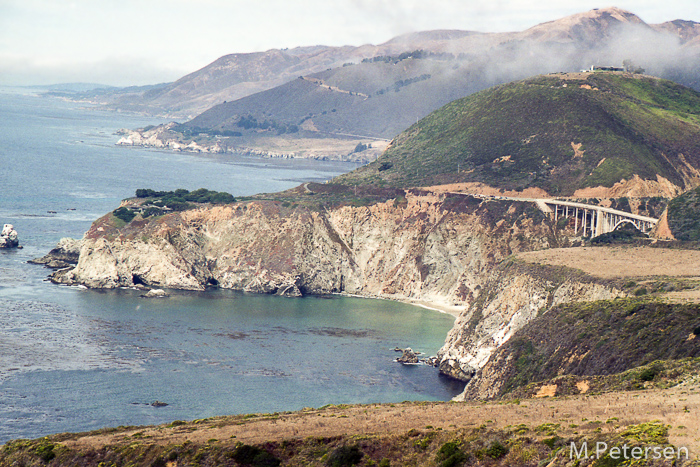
78,359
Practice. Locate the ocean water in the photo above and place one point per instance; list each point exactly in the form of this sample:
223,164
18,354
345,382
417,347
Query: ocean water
76,360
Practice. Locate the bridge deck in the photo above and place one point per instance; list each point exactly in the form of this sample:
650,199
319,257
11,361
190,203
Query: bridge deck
541,202
600,208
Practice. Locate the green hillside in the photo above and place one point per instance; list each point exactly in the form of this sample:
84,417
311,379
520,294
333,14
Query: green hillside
598,338
684,216
557,132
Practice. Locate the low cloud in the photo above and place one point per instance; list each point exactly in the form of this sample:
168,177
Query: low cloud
119,71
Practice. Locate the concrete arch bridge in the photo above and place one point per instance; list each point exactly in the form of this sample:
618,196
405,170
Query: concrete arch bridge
592,220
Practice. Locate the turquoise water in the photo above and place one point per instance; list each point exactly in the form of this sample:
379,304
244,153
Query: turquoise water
75,360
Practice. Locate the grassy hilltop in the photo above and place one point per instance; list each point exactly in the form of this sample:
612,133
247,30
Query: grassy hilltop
557,132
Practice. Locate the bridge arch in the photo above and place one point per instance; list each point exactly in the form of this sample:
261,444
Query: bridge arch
626,221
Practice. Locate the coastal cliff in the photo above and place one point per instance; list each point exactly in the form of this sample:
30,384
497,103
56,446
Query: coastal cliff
450,251
421,246
301,145
514,294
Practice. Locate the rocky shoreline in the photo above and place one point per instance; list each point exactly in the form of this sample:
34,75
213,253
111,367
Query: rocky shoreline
311,146
64,255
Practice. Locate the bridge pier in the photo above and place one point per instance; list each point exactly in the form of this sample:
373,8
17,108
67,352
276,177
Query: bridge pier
596,220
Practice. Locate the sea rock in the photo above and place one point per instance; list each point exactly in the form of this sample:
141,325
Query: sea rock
408,356
9,237
156,293
431,361
64,254
159,404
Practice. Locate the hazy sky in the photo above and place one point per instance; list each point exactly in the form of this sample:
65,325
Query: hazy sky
123,42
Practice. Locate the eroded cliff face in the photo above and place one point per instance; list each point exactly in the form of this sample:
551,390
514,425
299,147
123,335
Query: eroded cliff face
421,247
513,295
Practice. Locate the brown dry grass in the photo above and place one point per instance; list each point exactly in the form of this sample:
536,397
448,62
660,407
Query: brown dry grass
621,262
677,407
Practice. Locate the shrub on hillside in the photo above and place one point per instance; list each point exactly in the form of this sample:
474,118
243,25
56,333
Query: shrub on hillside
626,233
345,456
254,456
178,199
125,214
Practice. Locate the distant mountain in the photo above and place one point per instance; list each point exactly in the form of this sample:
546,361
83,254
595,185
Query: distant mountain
377,98
75,87
598,37
372,93
590,27
687,31
595,134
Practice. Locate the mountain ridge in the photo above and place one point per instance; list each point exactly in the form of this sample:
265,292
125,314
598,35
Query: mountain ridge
221,80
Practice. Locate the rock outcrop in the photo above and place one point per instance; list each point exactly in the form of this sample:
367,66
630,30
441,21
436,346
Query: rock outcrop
408,355
155,293
424,247
513,295
65,254
9,237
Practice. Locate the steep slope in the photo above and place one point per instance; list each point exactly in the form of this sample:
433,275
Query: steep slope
562,133
683,216
238,75
373,99
589,339
414,246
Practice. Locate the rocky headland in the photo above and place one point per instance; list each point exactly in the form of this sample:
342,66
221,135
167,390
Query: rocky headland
65,254
301,145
